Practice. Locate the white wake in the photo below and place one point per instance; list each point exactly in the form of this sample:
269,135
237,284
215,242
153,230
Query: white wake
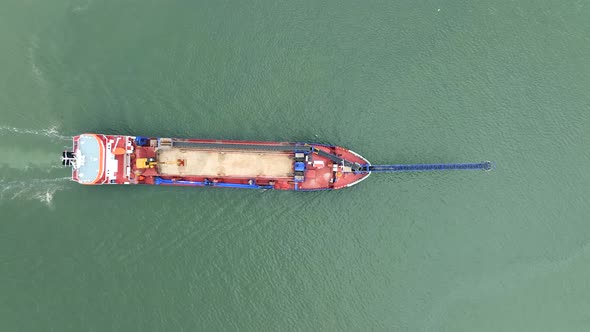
41,190
50,132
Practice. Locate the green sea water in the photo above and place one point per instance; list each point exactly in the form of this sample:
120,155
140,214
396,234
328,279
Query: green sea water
396,81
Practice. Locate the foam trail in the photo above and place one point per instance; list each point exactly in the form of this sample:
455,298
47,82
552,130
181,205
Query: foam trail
83,6
4,183
41,190
36,70
50,132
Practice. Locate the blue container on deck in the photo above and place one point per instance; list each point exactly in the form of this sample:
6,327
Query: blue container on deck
142,141
299,166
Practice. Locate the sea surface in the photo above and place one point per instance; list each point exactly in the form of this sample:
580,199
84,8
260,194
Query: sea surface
396,81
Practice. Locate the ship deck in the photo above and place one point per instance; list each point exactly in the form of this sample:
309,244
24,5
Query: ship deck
224,163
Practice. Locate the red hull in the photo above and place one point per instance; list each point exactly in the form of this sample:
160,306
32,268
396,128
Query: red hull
116,159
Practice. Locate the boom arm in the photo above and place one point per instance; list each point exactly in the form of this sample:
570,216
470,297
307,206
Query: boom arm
484,165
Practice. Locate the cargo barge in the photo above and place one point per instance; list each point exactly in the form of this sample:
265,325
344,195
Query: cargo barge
118,159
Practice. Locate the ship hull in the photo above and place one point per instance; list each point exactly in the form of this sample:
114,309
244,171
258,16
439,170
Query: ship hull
116,159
